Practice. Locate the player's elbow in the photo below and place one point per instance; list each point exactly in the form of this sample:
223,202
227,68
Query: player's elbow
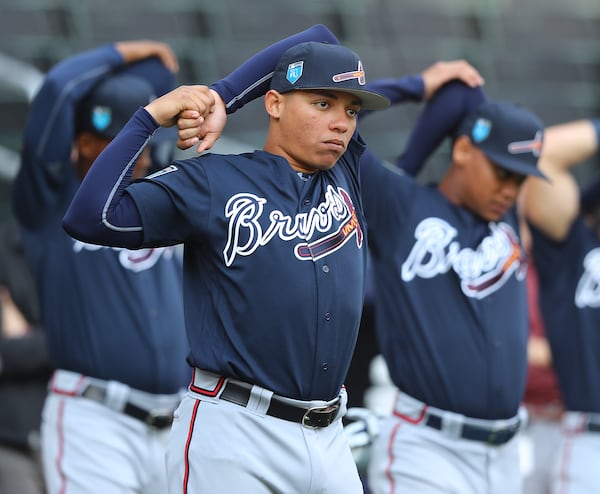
78,227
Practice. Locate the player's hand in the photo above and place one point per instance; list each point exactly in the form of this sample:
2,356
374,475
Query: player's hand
440,73
134,51
196,101
205,129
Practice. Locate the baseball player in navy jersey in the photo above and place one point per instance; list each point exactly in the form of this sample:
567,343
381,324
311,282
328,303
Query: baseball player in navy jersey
275,258
566,247
114,317
450,305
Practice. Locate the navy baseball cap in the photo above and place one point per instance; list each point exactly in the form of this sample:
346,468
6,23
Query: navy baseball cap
111,103
316,65
508,134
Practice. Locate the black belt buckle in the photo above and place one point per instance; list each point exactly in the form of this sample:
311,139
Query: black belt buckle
318,417
159,419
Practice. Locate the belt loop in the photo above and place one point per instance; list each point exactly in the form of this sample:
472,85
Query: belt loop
117,395
260,399
452,423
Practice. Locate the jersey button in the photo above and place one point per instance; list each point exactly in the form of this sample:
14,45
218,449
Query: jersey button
307,202
325,366
328,316
326,268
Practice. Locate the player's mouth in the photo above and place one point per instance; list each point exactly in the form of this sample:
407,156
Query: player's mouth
336,145
500,209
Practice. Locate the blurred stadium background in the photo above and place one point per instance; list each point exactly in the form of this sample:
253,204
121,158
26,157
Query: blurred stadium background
544,54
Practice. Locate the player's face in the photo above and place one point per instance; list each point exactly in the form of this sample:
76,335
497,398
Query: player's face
490,190
315,127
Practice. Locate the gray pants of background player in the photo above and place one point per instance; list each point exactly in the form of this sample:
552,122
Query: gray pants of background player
575,470
411,457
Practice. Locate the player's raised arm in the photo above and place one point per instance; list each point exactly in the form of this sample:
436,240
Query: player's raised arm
452,88
552,206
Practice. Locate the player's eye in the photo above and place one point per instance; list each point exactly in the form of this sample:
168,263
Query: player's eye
352,112
505,175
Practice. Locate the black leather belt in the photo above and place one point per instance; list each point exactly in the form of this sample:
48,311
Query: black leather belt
316,417
159,418
592,426
487,435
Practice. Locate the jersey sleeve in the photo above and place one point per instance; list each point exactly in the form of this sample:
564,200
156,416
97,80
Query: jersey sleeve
253,78
46,169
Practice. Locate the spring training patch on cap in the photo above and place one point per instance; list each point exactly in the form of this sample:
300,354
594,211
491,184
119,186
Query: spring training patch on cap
294,72
481,130
358,74
101,118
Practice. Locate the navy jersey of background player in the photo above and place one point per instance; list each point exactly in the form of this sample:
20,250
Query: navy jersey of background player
118,313
453,344
572,286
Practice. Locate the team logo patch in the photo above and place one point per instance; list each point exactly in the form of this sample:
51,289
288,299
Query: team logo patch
533,146
481,130
294,72
101,117
358,74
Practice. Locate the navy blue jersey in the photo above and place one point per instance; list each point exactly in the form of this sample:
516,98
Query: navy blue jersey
450,304
274,265
570,303
109,313
274,262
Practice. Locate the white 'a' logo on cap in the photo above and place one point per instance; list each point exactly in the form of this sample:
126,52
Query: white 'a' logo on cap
358,74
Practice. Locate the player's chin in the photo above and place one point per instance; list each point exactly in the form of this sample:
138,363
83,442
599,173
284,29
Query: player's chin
492,216
327,161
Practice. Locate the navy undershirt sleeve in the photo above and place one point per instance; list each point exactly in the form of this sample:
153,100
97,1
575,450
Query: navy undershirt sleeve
101,211
253,78
440,119
406,88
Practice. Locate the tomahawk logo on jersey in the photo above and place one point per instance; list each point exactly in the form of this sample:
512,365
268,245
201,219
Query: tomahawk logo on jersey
482,271
328,226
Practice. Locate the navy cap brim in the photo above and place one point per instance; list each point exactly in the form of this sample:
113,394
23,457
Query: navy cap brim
514,166
368,99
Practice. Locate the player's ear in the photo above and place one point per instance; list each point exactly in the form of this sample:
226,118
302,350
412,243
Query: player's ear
461,150
273,103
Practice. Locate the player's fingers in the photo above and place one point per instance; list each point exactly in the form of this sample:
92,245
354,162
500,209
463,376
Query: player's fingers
187,143
167,57
463,70
207,142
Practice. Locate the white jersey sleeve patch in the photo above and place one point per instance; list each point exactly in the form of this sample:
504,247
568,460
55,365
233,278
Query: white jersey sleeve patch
164,171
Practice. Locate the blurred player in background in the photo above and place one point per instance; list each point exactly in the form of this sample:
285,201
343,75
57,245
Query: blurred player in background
451,306
24,370
114,318
565,247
